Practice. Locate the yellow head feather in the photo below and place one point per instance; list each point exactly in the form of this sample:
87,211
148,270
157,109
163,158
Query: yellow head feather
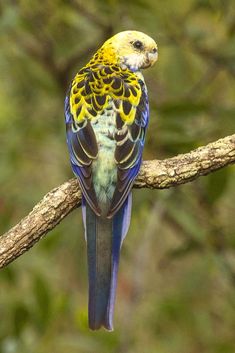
134,49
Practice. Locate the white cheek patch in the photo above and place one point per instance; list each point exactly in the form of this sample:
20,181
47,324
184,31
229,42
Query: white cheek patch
134,61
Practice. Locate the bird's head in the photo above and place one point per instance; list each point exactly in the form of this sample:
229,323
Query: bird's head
133,49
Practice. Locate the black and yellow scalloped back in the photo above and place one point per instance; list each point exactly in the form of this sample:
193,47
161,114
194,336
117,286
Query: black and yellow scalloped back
95,84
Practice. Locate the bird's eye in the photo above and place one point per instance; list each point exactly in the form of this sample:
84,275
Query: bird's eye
138,45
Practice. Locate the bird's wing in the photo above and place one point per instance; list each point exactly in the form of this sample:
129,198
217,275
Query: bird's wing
130,142
83,150
90,93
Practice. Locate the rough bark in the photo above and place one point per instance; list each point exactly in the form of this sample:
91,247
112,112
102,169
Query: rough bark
155,174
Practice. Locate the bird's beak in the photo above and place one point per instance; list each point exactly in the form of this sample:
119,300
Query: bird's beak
151,58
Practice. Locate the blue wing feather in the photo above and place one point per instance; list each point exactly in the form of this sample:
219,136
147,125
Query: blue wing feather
126,175
83,149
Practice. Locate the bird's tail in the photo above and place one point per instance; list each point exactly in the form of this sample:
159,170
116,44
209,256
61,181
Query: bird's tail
104,239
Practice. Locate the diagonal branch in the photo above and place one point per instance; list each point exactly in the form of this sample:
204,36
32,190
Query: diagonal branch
156,174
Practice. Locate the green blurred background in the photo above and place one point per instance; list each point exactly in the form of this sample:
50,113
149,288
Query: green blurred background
176,290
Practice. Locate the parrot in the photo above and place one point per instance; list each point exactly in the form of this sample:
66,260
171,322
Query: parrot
106,117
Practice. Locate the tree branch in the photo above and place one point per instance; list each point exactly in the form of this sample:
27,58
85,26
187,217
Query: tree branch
156,174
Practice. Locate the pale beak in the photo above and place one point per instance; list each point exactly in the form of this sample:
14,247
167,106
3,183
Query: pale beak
151,58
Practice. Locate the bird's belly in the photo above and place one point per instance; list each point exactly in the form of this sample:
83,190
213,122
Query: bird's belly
104,169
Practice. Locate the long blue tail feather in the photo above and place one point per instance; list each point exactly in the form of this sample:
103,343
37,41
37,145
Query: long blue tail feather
104,238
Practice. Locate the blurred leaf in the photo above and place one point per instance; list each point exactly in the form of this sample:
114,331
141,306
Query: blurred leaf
43,301
216,184
182,108
21,317
8,274
187,221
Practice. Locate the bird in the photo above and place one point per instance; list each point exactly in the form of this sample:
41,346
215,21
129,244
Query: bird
106,116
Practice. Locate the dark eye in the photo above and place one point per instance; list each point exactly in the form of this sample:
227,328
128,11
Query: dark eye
138,45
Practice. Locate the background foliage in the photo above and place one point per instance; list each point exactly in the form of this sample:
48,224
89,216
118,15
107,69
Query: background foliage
176,289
